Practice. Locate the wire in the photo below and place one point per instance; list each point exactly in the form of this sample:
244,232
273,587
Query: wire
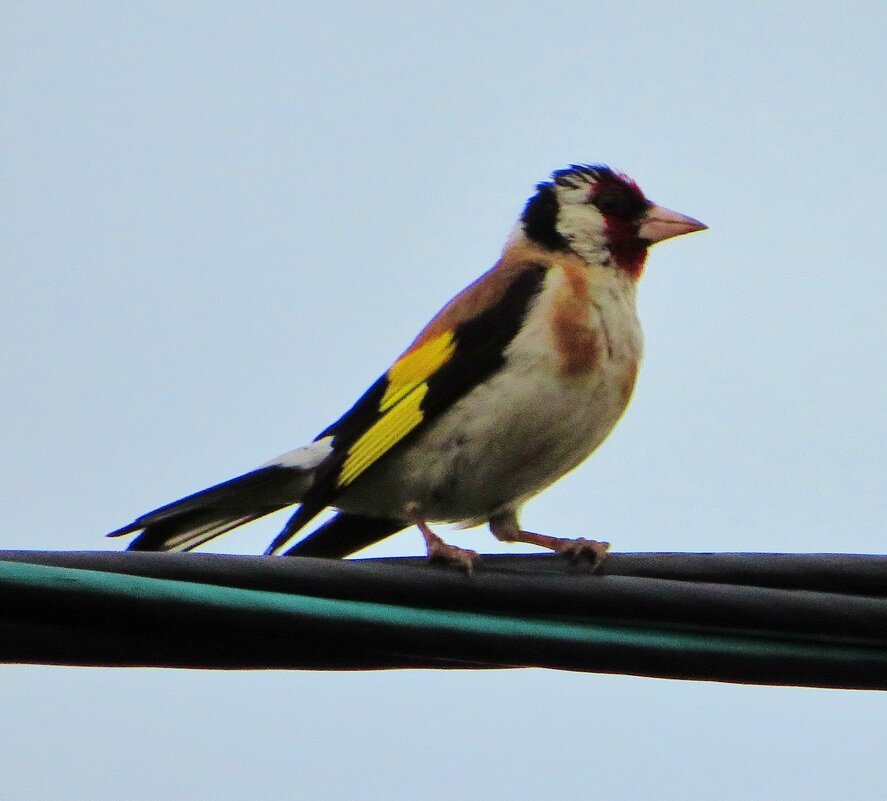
817,620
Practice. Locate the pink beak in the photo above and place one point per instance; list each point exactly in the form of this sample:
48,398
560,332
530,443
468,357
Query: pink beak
659,223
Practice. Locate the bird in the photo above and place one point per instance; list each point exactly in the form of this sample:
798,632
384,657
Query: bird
511,385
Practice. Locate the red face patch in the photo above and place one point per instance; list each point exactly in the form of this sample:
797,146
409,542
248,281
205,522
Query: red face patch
622,204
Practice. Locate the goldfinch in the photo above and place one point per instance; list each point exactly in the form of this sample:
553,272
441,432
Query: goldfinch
510,386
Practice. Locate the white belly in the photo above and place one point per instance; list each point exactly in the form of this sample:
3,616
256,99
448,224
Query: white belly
516,433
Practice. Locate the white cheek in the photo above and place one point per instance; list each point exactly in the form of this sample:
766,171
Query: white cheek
583,226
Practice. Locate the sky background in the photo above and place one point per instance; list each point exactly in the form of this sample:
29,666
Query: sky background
220,221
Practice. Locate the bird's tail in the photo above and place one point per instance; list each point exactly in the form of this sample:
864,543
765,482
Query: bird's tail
192,521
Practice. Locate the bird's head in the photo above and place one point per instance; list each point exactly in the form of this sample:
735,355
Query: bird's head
601,215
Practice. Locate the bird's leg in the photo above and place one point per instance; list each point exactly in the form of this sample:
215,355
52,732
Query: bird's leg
439,551
507,529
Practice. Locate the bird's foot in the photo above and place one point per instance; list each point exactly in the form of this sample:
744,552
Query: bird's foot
439,551
506,529
463,558
580,548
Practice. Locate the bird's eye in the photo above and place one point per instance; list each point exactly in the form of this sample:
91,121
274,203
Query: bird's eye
609,201
618,199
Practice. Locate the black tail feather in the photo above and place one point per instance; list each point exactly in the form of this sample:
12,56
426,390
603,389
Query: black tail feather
186,532
189,522
345,534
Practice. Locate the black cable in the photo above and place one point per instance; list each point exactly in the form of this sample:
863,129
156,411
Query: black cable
818,620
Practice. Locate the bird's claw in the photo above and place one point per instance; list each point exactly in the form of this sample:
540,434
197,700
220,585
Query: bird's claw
463,558
580,548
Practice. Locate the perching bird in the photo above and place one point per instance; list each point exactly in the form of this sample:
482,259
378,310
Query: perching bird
510,386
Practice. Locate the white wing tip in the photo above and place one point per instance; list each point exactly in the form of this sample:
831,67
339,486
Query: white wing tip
305,458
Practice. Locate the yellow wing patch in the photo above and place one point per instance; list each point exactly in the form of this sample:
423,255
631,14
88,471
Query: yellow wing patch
400,405
383,435
415,367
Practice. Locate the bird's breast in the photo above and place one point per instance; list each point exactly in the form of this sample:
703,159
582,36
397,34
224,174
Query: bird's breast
566,380
591,318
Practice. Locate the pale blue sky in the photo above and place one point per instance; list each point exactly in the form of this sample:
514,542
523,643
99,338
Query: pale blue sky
219,222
